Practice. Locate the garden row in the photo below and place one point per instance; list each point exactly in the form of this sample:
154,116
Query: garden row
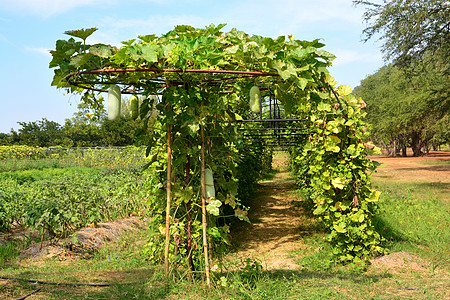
57,191
22,157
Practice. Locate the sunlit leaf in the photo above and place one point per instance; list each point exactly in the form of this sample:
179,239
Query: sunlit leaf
81,33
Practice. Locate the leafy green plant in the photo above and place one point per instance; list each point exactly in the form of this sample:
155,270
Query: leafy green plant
202,79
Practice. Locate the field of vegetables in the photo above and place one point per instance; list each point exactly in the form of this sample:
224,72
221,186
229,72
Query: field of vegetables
58,190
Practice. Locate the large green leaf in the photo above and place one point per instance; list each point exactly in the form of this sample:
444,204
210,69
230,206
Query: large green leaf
81,33
103,51
150,52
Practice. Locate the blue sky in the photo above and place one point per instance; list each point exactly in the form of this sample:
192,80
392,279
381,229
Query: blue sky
30,28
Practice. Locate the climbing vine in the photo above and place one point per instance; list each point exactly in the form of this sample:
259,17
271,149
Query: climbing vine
196,85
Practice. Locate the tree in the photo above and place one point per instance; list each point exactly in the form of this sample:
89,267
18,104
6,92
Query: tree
42,133
407,110
409,28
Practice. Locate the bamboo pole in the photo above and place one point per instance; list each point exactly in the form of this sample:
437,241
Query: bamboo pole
205,238
188,215
169,196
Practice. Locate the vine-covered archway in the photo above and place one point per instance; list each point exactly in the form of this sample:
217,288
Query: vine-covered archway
198,84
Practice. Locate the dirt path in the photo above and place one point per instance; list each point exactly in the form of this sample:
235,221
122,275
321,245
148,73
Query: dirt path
276,223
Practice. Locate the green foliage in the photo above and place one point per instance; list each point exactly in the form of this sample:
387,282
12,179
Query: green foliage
62,200
210,101
35,158
333,170
407,108
409,29
21,152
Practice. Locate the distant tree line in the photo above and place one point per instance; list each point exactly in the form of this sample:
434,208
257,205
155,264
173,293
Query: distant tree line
408,108
80,131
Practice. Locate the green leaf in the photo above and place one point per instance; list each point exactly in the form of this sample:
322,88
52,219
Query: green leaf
147,38
344,90
103,51
332,148
150,52
338,183
319,210
340,228
81,33
213,207
80,59
241,214
214,232
374,196
323,106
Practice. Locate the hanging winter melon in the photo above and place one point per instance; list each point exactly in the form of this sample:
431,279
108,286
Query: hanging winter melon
114,102
209,182
255,96
134,107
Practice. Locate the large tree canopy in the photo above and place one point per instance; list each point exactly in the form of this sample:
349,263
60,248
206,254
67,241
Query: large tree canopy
409,28
407,111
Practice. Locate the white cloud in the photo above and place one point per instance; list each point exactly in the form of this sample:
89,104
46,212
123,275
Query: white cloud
113,31
46,8
345,56
39,50
294,16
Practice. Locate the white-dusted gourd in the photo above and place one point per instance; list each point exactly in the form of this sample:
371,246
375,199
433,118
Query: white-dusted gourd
114,102
209,182
134,107
255,96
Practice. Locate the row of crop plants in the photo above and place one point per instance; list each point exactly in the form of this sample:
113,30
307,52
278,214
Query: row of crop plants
21,157
57,191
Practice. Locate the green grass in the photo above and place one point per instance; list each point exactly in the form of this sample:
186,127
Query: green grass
132,277
8,250
410,218
413,220
434,162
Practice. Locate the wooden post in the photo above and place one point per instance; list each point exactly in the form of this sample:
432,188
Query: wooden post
205,238
169,196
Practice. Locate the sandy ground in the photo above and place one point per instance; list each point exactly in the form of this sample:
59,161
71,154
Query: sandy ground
432,169
277,223
424,168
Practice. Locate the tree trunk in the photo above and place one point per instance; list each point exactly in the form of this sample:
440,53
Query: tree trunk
416,144
395,148
404,151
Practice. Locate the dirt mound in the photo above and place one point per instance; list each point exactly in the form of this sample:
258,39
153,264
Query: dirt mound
83,242
398,262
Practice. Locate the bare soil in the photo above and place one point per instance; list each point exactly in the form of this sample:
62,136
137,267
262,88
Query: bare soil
434,167
276,223
84,242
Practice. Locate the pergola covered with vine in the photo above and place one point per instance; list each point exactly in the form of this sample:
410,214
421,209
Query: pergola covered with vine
198,81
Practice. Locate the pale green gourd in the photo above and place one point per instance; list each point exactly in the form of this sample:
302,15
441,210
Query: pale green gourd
209,182
114,102
134,107
255,96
